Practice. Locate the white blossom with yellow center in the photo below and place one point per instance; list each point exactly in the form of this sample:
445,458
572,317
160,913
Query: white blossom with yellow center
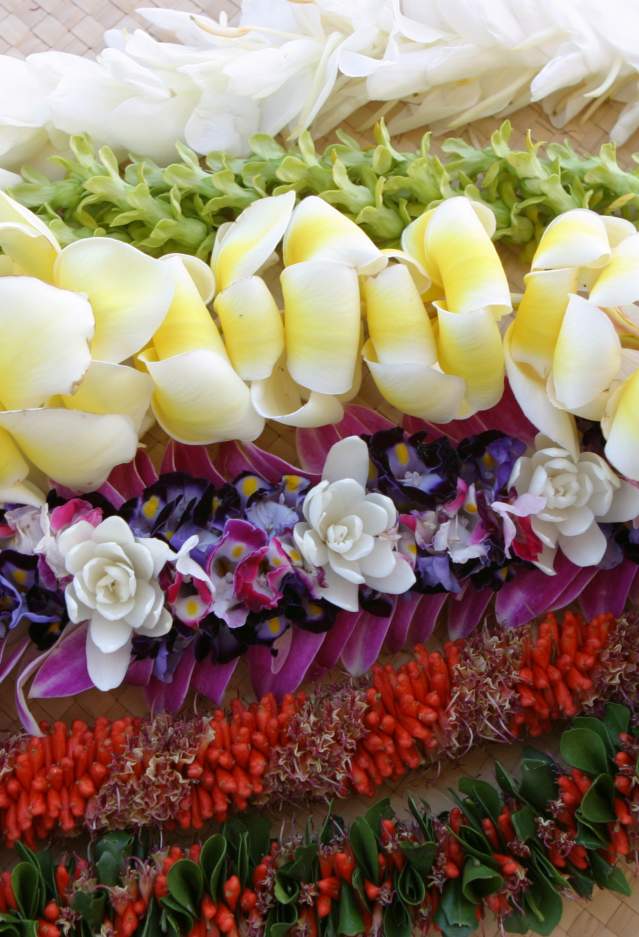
571,350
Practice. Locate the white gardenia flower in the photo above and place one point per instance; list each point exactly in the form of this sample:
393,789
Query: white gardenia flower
349,534
115,589
578,495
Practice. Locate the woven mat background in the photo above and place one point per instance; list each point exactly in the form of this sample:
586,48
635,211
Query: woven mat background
28,26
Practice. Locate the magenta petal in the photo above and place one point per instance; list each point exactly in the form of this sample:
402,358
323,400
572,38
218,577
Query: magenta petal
425,617
212,679
532,593
192,460
64,673
303,650
175,692
364,645
609,590
27,718
235,458
401,619
129,480
465,613
139,672
13,656
574,589
313,444
334,643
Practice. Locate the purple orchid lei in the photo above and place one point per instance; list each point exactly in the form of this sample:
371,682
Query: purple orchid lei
235,580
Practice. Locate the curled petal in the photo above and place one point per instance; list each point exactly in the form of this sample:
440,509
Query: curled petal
539,317
188,324
461,256
413,240
322,325
577,238
618,282
44,348
398,324
13,468
279,398
107,671
621,428
470,346
27,240
75,449
252,327
318,231
245,246
199,399
587,356
113,388
530,393
130,293
348,458
417,389
201,274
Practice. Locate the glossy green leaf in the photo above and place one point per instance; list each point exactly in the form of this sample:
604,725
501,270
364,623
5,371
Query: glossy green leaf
410,886
365,849
584,749
25,881
597,803
479,881
349,920
186,885
396,921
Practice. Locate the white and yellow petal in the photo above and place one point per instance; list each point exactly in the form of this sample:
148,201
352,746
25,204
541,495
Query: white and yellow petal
27,240
417,389
587,355
13,472
73,448
199,399
244,246
252,327
398,324
130,293
531,395
576,238
322,325
470,347
188,324
280,399
113,388
318,231
618,282
621,428
44,343
200,272
461,256
539,317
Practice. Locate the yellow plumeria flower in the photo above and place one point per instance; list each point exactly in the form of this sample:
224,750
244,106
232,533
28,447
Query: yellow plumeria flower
69,409
572,348
451,365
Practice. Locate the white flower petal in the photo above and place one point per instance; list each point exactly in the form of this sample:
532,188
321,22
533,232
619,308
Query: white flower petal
279,398
113,388
576,238
130,293
248,243
108,636
624,507
45,341
399,328
26,239
347,458
339,591
586,549
114,528
380,562
322,325
107,671
399,581
578,519
252,327
144,600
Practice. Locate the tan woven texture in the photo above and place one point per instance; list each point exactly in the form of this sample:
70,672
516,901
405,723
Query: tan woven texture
28,26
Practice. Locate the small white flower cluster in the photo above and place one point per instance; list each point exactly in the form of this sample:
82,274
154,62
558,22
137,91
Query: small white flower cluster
288,65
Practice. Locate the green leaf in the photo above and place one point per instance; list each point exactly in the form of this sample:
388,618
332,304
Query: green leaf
597,803
537,784
378,812
479,881
484,794
365,849
286,889
25,881
589,836
259,830
242,859
410,886
212,860
422,816
543,909
455,906
617,720
151,921
91,906
584,749
350,920
302,867
505,780
523,822
396,921
111,851
608,876
598,727
420,855
186,885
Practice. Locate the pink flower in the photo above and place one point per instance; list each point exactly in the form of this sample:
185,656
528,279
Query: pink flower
73,511
258,578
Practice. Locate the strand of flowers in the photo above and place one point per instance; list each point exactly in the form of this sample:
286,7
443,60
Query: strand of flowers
180,207
513,849
285,67
338,740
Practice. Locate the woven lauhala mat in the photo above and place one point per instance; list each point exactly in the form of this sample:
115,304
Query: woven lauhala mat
28,26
